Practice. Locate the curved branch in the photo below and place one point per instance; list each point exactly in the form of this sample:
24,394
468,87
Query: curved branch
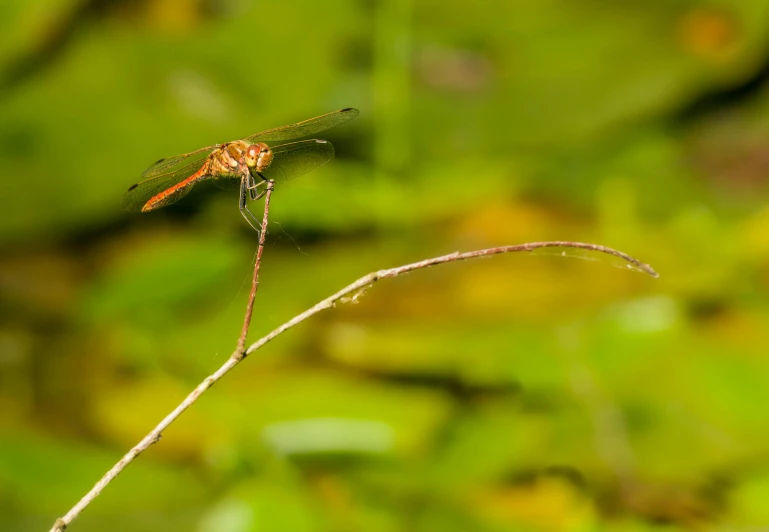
349,293
364,282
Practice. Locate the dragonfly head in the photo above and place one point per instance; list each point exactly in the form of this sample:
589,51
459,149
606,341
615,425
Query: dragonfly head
258,156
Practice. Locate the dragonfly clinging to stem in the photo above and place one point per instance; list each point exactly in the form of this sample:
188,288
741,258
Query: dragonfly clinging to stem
248,162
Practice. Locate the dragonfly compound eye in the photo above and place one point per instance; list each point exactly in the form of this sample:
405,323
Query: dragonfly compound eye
264,160
258,156
252,155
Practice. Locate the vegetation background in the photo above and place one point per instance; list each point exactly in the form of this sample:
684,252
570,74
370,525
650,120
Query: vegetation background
514,393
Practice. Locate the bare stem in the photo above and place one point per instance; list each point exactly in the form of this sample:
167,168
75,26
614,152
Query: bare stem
155,435
349,293
241,345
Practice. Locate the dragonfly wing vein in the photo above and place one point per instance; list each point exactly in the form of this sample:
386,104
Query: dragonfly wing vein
167,165
298,158
304,128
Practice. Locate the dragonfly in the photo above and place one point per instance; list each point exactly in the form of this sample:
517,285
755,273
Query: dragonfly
248,163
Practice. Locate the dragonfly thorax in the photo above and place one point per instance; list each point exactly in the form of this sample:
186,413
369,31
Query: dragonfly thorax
224,162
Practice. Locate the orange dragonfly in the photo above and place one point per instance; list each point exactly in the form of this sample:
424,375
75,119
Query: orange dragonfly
248,162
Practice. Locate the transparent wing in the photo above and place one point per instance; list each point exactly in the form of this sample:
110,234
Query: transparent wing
227,182
306,128
137,196
167,165
298,158
289,132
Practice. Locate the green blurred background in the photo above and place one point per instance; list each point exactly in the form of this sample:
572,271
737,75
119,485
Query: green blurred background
522,392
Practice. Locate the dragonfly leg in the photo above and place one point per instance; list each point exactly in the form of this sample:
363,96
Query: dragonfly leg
253,188
245,193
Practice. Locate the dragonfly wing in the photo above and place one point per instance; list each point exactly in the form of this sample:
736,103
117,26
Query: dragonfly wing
298,158
227,182
138,197
306,128
167,165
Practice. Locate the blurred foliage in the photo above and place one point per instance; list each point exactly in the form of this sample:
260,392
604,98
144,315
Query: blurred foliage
514,393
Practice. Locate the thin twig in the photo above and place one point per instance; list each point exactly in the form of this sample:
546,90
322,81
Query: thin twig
241,345
153,437
349,293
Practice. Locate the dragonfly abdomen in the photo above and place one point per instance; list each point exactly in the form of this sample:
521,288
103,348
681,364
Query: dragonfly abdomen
176,191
